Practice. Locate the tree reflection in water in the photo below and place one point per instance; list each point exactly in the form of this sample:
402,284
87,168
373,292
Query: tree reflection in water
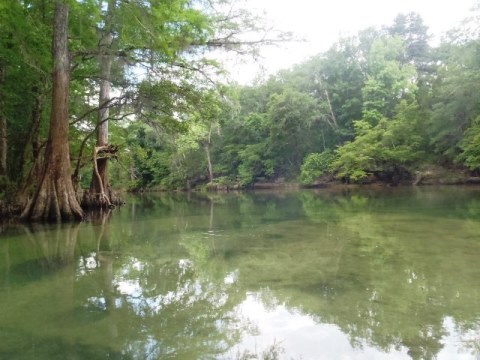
157,306
173,278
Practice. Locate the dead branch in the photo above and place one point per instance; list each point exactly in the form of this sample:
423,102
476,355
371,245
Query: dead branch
84,142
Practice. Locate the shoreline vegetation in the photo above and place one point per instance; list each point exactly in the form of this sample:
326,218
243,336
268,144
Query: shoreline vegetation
428,176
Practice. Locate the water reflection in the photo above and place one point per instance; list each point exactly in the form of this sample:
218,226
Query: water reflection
363,274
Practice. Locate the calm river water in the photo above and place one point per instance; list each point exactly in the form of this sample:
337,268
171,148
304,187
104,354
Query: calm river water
333,274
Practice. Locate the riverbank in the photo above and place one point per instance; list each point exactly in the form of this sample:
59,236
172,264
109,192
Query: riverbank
430,175
427,175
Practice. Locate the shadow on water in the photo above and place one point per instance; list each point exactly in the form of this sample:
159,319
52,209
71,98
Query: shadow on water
210,276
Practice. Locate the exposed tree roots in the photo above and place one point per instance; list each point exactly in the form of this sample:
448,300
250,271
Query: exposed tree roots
55,200
100,195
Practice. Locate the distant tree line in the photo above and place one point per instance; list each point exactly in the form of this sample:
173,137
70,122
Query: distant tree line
382,105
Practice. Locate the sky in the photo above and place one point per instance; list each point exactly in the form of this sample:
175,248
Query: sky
321,23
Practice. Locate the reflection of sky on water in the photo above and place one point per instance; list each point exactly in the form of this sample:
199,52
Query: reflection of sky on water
319,279
301,337
455,348
297,335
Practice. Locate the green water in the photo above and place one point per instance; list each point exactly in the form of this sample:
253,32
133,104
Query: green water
366,274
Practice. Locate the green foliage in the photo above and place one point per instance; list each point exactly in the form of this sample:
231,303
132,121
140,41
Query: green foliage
149,163
388,81
470,146
25,63
454,102
253,164
386,147
315,165
410,28
291,115
241,152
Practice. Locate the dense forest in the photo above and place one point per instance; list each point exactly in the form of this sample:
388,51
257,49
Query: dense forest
138,101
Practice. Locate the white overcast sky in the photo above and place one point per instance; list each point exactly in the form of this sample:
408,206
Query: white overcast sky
322,22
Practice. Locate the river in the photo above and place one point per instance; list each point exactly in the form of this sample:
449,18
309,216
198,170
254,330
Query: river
370,273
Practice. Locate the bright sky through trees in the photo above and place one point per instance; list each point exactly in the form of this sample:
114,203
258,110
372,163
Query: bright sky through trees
320,23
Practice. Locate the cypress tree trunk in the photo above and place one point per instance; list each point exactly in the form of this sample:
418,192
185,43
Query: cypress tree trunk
100,194
55,198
